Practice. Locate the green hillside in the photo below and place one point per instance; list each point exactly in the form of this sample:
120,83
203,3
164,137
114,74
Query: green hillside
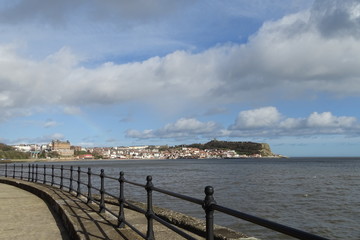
242,148
8,152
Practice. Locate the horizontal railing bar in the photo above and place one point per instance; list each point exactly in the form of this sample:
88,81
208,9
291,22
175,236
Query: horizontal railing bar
175,229
56,167
111,212
95,188
109,177
134,207
82,183
177,195
268,224
134,183
59,168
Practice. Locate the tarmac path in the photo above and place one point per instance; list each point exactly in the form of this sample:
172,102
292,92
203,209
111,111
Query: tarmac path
23,215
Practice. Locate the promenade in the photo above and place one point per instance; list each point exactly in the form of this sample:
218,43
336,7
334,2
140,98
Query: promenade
58,214
26,216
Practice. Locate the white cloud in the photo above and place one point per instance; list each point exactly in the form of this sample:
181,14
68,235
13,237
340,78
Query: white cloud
145,134
71,110
50,123
268,122
257,118
286,58
292,123
183,128
45,139
327,120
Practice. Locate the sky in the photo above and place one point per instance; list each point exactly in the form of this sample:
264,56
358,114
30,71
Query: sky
155,72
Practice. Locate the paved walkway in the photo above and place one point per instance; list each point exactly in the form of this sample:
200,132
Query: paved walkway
23,215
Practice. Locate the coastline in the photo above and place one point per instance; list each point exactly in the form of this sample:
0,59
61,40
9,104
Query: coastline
118,159
69,160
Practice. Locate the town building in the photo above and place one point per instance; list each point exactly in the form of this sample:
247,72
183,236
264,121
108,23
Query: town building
62,148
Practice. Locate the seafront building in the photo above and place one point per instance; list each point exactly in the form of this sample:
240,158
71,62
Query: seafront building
159,152
62,148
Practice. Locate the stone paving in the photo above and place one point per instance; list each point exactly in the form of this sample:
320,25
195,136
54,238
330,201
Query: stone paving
31,210
23,215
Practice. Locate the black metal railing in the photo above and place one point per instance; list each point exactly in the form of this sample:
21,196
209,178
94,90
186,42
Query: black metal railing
64,178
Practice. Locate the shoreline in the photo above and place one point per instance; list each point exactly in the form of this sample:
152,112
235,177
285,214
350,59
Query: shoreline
69,160
122,159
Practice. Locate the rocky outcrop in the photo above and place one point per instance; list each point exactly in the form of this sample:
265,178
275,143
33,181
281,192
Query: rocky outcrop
242,148
265,150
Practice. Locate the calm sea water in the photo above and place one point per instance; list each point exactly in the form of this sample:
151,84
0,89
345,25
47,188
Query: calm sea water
318,195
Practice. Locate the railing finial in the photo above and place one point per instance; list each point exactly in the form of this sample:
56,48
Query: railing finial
207,206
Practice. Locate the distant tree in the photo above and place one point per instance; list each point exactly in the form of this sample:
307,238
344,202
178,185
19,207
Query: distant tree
4,147
42,154
53,154
77,153
247,148
97,155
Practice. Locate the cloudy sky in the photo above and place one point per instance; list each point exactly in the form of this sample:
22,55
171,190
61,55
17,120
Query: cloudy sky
140,72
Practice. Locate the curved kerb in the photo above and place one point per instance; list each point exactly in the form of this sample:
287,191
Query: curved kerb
83,221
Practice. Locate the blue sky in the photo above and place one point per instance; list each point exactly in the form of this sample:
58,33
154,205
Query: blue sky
121,73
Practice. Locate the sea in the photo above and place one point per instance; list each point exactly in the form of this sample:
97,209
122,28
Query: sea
316,195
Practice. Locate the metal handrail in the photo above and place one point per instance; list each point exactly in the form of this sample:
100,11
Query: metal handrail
33,174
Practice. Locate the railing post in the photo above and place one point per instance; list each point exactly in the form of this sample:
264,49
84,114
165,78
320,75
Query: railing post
121,217
102,191
78,182
36,173
61,176
6,170
22,169
89,186
71,179
29,173
149,212
14,171
207,206
32,172
44,174
52,175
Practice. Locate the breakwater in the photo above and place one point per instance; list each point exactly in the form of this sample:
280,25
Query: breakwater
49,174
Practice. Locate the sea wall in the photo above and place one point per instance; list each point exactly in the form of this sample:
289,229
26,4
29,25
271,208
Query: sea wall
77,231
